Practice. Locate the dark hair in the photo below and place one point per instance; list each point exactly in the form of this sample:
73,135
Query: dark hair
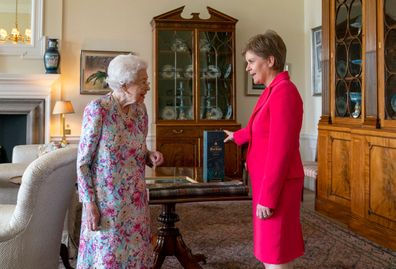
266,45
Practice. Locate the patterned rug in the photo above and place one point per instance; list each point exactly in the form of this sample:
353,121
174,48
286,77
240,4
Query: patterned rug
222,231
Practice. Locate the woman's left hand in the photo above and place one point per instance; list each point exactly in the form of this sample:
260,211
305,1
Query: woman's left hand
263,212
156,158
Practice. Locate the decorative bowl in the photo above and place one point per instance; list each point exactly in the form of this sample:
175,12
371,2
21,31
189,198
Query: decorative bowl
227,71
179,45
188,71
355,97
213,71
341,105
168,113
169,71
215,113
204,45
341,68
393,102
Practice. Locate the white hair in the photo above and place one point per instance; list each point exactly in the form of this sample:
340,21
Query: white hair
123,70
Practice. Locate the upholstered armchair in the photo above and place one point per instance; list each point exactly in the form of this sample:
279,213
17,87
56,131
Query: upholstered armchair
31,229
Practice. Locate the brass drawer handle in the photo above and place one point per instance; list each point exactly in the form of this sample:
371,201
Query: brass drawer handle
177,131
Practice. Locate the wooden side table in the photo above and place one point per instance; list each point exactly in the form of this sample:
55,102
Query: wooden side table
169,239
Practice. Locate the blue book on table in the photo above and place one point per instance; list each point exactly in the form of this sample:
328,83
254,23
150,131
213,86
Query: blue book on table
213,155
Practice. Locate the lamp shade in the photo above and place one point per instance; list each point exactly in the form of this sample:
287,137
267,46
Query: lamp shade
63,107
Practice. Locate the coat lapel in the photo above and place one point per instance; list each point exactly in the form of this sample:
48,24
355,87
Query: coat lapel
264,98
262,101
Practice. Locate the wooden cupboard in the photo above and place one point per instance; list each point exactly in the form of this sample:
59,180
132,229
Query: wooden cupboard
194,85
357,130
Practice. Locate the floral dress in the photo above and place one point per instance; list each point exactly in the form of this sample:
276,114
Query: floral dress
110,168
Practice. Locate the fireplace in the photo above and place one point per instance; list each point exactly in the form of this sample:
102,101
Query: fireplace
25,102
21,122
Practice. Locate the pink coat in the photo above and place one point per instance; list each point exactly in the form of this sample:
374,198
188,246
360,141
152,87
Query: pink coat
275,169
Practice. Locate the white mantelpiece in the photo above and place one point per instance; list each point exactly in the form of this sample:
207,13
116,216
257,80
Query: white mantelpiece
30,86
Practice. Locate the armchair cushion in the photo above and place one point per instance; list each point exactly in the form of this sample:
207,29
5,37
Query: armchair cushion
45,148
16,180
8,190
9,170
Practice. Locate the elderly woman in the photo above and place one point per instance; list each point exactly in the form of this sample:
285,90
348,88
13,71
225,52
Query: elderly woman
273,157
115,228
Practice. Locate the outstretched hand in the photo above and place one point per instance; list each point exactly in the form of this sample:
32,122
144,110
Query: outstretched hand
230,136
156,158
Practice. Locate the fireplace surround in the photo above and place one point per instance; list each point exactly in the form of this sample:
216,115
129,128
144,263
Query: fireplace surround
29,95
35,115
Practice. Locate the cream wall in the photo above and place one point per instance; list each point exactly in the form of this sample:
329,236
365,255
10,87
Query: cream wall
312,104
125,25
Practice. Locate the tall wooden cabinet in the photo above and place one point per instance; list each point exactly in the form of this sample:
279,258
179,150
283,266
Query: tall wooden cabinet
194,84
357,130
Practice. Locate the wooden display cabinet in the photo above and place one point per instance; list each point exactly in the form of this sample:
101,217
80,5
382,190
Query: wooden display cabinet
357,130
194,85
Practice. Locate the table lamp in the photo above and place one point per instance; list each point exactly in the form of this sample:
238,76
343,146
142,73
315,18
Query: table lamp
63,107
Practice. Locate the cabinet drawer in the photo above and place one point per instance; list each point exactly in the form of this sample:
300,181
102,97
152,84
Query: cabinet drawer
177,131
179,152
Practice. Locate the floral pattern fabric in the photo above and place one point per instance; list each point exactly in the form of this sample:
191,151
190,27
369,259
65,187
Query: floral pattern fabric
110,168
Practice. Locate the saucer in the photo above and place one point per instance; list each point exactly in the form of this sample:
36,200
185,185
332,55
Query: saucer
229,112
168,113
215,113
190,113
355,96
393,102
169,71
204,45
213,71
179,45
341,106
341,68
227,71
188,72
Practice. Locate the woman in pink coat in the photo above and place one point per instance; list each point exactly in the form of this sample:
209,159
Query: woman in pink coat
273,156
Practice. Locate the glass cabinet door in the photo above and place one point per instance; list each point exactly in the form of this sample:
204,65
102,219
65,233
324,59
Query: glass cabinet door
390,58
348,58
215,75
176,73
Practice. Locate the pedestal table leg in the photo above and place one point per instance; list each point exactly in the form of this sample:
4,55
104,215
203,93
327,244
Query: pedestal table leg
170,241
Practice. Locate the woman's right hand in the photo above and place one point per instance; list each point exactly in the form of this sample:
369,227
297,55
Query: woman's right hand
93,216
230,136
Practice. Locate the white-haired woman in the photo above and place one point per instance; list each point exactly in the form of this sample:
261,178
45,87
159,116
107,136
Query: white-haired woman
115,226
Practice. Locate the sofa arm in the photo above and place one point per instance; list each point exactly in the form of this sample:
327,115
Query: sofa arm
25,153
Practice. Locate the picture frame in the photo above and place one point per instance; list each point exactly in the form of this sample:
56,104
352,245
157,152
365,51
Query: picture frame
93,70
252,88
316,62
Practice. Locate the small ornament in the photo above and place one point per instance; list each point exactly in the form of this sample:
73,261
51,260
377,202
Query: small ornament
52,57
